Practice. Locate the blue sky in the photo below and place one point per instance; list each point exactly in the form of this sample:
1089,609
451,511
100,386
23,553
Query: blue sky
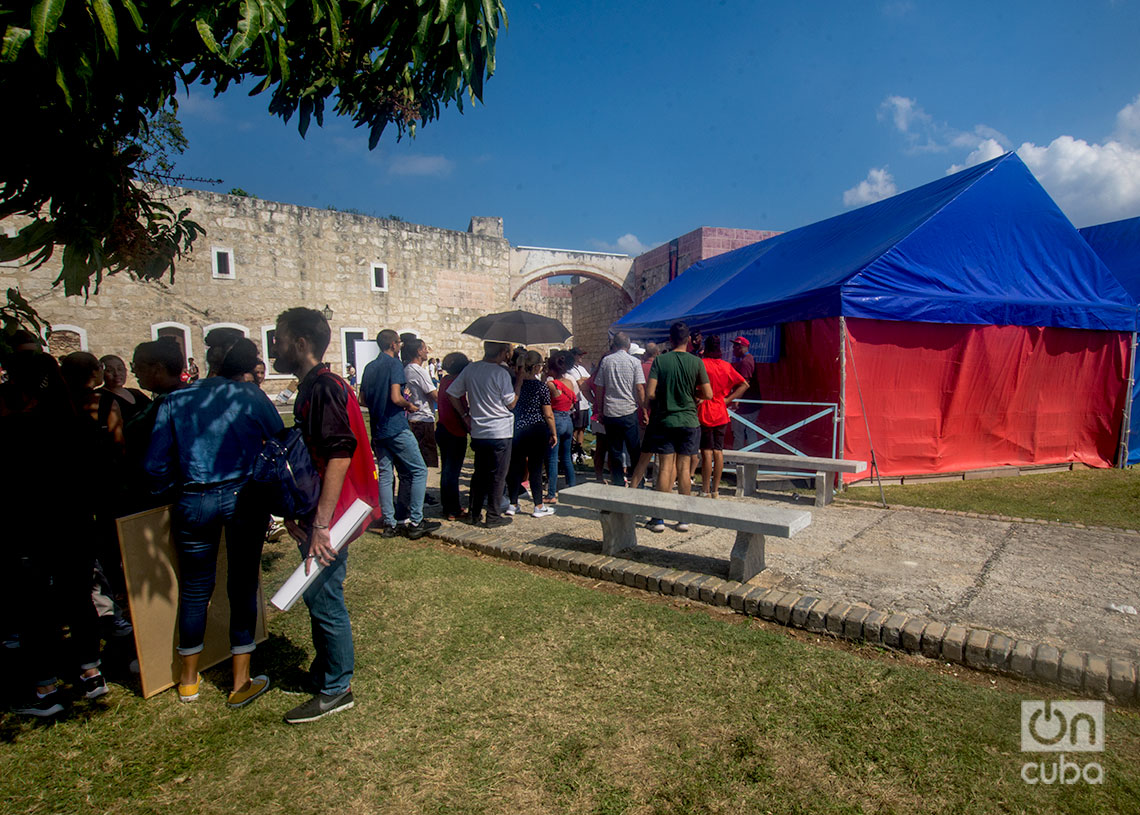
618,126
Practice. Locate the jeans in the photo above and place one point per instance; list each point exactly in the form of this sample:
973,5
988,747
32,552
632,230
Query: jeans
527,452
332,666
561,453
452,449
197,521
492,459
401,452
622,434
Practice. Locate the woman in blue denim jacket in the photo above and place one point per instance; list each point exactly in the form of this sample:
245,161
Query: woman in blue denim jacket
205,440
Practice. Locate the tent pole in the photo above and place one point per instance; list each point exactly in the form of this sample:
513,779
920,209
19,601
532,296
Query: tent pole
841,414
1122,453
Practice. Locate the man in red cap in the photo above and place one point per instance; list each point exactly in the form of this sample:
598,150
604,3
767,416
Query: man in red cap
745,365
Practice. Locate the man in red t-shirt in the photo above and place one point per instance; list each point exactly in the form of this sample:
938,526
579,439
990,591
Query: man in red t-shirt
727,386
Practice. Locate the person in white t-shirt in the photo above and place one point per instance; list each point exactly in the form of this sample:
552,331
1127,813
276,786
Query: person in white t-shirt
491,395
422,394
581,418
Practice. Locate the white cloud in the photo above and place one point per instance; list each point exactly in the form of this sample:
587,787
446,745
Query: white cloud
897,8
924,134
904,112
438,166
1092,183
627,244
878,184
988,149
1128,124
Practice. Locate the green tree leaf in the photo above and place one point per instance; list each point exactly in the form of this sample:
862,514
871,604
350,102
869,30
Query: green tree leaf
45,19
14,39
106,17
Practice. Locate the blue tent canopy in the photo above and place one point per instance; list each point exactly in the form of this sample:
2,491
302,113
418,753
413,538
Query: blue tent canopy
1118,244
985,246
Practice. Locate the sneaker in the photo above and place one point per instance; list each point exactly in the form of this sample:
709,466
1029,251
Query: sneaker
655,525
511,509
188,693
389,532
92,687
276,532
42,707
257,686
474,520
682,527
496,522
319,706
542,511
417,531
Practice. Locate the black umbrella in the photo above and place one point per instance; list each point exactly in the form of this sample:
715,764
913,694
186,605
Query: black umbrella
520,327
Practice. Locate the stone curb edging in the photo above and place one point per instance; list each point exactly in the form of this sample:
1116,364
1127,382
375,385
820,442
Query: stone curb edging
1116,680
981,515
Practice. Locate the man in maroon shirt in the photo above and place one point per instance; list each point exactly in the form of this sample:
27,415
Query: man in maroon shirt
745,365
451,436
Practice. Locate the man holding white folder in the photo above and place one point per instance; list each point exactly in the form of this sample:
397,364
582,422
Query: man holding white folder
331,423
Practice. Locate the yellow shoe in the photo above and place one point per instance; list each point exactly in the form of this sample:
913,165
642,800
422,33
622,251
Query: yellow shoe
257,686
188,693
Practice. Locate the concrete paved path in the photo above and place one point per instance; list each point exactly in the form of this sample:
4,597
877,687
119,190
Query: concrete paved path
1047,582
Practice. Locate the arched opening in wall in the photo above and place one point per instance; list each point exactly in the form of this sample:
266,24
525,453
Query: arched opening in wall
66,339
179,333
587,305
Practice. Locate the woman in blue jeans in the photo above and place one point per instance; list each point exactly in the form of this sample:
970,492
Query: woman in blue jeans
563,400
204,443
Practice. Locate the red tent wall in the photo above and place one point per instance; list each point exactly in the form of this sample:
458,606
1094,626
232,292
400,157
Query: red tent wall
944,398
808,371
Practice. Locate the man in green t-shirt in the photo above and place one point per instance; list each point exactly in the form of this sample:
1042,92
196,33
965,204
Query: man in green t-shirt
676,379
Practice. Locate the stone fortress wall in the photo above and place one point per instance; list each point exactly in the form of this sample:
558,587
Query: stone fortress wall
280,255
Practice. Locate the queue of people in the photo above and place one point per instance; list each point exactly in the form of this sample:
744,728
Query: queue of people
114,450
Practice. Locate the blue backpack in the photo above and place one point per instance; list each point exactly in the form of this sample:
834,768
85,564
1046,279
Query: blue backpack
285,476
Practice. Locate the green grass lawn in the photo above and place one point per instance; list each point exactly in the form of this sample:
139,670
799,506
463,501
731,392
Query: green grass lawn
484,687
1094,497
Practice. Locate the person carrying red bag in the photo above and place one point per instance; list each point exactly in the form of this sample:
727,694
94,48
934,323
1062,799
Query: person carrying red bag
329,416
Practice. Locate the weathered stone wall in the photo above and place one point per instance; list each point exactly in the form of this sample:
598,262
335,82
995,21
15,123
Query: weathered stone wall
439,280
549,298
596,306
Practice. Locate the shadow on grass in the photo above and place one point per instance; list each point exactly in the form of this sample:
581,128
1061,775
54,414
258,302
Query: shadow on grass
284,663
654,556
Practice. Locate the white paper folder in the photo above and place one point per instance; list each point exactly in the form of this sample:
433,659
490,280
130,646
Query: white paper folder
340,532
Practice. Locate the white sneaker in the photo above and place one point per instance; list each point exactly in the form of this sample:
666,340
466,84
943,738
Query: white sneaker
511,509
655,525
542,511
682,527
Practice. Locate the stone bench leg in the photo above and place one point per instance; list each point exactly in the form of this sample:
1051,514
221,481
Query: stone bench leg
746,479
619,532
824,489
747,558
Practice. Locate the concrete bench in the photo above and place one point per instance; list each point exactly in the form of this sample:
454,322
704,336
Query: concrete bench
619,506
748,464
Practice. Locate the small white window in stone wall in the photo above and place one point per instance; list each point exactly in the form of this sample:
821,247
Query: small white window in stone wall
223,263
378,276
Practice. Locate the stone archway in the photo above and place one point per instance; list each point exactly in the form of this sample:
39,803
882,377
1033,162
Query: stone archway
531,264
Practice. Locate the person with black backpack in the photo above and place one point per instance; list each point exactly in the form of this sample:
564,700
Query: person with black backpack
330,420
205,441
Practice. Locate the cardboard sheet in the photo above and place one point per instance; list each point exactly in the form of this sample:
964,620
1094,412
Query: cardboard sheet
151,570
